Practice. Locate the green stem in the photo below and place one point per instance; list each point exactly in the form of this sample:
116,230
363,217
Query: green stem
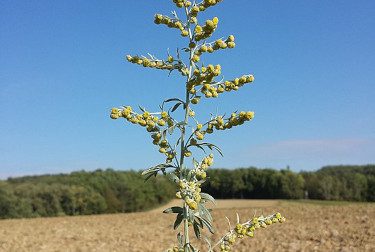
186,228
183,131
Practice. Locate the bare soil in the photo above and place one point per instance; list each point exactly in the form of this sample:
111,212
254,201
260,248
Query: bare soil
310,226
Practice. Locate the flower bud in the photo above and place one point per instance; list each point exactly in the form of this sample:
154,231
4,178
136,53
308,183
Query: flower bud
195,100
215,20
210,25
250,78
184,33
187,153
161,122
193,141
195,58
178,195
230,38
231,44
199,135
162,150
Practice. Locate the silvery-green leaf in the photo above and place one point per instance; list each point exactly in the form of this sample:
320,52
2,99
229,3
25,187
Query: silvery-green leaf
192,248
142,109
185,172
178,221
164,133
190,175
211,147
175,209
150,175
191,216
176,106
182,123
204,213
173,177
171,129
173,99
207,224
180,238
200,182
195,163
197,231
200,147
156,168
178,141
208,197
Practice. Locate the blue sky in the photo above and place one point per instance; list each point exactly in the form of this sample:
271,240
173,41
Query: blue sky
62,68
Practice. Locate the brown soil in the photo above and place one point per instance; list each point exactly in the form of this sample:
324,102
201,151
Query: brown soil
312,226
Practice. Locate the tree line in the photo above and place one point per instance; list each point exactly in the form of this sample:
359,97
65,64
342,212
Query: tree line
109,191
80,193
351,183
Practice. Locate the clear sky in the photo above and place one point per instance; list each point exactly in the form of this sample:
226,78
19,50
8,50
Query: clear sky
62,68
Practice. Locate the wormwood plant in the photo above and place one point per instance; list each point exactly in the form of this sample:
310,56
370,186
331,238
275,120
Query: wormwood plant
200,81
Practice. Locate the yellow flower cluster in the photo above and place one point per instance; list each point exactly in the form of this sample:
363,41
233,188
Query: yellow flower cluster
219,44
228,43
190,192
145,120
194,11
200,171
234,120
238,82
152,123
209,3
199,135
164,146
211,91
197,7
175,249
182,3
171,23
219,123
205,76
126,112
207,30
247,229
207,162
146,62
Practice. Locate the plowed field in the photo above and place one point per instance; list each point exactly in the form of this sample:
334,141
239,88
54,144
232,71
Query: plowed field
310,226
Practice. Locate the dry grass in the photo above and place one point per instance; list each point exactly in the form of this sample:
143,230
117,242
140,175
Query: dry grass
309,227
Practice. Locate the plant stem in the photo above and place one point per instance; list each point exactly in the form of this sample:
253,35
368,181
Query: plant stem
183,131
186,228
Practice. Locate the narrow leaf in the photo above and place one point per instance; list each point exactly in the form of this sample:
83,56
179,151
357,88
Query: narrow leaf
178,221
173,177
176,106
195,163
180,238
175,209
173,99
197,230
150,175
171,129
207,224
208,197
